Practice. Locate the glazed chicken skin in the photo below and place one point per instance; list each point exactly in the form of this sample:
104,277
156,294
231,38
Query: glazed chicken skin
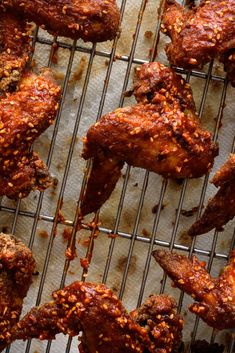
161,133
16,268
15,49
91,20
158,316
201,34
220,209
24,115
105,324
215,296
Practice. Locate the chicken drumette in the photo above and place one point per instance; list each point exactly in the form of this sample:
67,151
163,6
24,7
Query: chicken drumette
105,324
201,34
24,115
14,49
91,20
16,269
215,296
161,133
221,208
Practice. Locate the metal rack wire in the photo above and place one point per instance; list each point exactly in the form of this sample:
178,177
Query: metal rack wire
134,236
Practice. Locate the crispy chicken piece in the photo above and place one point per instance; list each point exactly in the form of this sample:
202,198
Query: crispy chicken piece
161,133
158,316
220,209
16,268
205,347
105,324
215,296
201,34
91,20
24,115
14,49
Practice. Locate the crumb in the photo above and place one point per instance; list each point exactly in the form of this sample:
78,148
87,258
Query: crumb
84,263
70,254
117,56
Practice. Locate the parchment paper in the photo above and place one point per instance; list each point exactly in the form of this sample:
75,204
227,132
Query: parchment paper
109,211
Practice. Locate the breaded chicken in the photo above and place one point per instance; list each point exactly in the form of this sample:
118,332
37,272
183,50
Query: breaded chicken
215,296
24,115
16,268
201,34
91,20
221,208
161,133
105,324
164,326
14,49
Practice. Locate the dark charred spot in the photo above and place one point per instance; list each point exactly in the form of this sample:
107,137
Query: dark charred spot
181,140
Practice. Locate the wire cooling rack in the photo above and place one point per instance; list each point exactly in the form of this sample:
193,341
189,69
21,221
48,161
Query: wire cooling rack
31,215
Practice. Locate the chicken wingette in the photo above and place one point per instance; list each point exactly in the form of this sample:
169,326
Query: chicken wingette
161,133
201,34
93,310
215,297
221,208
24,115
91,20
16,268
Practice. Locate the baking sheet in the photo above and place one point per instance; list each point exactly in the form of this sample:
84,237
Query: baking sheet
82,104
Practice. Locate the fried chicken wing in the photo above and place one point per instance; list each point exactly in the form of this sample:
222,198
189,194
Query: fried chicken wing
161,133
24,115
105,324
220,209
201,34
14,49
158,316
215,296
91,20
16,268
